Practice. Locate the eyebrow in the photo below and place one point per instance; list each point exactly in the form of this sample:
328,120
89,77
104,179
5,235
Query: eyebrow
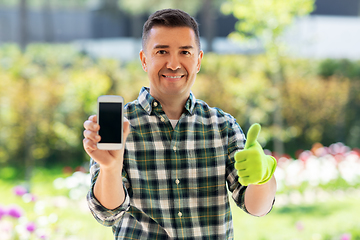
186,47
167,46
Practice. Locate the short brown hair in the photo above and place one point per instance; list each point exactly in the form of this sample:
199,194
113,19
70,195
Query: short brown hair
170,18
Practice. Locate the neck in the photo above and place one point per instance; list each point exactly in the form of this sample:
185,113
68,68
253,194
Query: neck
173,110
173,106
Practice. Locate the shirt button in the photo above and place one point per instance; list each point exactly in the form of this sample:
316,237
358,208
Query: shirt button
174,148
180,214
155,104
162,119
177,181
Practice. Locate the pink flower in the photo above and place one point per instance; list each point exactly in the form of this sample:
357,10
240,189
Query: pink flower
43,236
31,227
304,156
346,236
15,211
19,190
299,226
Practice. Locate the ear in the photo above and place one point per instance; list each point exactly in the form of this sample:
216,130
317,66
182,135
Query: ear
143,60
198,66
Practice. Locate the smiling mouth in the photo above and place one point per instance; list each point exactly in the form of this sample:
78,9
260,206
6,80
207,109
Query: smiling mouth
173,77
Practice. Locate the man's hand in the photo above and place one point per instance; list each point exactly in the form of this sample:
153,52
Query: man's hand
106,158
108,188
254,167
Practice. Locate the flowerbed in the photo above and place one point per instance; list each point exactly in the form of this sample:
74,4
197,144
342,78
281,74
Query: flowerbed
57,210
318,174
56,207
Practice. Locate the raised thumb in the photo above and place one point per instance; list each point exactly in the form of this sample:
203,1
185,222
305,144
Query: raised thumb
252,135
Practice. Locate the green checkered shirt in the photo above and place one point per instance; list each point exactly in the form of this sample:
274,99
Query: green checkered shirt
175,179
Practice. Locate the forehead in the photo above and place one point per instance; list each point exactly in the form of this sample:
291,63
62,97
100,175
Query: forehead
171,36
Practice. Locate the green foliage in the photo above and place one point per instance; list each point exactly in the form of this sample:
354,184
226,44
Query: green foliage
340,68
326,95
232,82
52,90
314,109
266,19
8,173
45,96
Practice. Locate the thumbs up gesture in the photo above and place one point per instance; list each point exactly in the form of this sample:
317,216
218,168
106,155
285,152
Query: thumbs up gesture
252,165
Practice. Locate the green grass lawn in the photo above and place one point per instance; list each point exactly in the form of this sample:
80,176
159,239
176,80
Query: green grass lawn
329,220
71,219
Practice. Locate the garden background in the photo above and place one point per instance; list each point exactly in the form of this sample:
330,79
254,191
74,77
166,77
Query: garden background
309,110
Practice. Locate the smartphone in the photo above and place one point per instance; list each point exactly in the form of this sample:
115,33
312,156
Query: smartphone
110,119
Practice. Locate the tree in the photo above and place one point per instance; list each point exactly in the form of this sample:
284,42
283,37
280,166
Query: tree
46,93
267,20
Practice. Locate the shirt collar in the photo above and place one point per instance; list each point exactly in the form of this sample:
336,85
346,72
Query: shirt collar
190,103
146,101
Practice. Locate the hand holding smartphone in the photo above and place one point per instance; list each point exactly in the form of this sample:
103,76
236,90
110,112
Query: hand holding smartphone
110,118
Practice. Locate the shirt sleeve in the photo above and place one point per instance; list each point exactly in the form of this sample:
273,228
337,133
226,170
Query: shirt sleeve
103,215
236,141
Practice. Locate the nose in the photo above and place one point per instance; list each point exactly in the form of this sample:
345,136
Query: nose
173,62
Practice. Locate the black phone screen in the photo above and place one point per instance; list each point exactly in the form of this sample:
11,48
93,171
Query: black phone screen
110,122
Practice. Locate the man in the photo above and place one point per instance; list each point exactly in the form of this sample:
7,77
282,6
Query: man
181,156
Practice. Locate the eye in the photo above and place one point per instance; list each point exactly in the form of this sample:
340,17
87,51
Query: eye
161,52
185,52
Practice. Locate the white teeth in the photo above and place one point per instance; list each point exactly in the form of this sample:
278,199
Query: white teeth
173,76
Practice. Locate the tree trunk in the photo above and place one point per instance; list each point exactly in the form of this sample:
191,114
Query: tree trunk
278,81
136,26
29,137
107,20
23,19
48,22
278,123
29,128
208,17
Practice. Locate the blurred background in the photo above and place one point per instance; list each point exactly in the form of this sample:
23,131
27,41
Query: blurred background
292,66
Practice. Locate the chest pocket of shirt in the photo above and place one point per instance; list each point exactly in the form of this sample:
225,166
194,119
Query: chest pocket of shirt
206,173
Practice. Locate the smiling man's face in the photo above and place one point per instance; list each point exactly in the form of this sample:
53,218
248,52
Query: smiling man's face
172,59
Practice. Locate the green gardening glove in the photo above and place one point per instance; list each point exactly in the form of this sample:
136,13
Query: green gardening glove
252,165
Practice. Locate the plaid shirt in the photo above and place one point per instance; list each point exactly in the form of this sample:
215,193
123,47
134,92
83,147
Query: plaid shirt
175,179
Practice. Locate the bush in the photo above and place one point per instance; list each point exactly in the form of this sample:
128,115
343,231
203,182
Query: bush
48,92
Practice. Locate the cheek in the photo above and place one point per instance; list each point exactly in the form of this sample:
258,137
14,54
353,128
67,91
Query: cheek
191,67
155,66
